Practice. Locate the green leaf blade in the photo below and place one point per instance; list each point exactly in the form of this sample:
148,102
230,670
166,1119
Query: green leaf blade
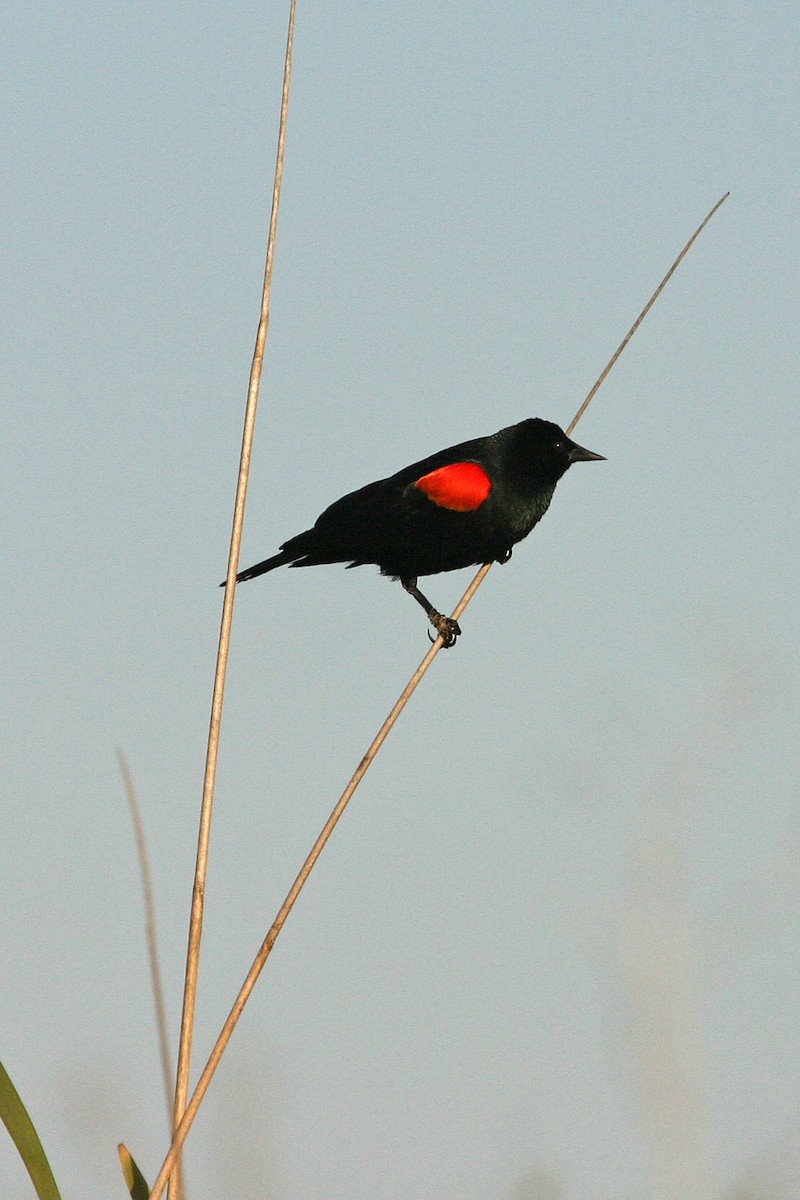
23,1134
134,1179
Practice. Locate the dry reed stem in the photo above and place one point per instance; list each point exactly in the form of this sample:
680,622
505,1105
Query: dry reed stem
150,927
182,1129
612,361
198,891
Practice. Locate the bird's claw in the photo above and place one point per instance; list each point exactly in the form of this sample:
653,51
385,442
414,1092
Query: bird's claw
447,629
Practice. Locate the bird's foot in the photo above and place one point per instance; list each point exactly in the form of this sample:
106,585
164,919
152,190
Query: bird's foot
446,627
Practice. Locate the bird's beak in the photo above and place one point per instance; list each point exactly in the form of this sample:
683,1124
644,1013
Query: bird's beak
578,454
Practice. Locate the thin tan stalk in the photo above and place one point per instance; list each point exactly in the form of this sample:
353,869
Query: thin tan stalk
269,941
150,927
612,361
198,892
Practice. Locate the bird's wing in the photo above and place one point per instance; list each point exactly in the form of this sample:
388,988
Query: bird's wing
457,486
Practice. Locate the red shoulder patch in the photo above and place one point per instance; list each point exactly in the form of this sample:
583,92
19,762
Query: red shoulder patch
461,487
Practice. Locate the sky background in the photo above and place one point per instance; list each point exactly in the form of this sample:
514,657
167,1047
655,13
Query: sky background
552,951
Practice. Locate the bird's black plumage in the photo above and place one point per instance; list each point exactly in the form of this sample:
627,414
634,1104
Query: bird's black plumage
464,506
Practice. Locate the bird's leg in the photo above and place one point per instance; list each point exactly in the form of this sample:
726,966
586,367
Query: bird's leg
445,626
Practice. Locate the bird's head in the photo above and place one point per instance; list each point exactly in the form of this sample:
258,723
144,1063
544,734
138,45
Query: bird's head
547,446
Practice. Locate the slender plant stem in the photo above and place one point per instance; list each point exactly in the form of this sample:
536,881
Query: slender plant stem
150,927
198,891
612,361
182,1129
184,1125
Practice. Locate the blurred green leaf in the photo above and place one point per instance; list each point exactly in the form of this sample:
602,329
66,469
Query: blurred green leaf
134,1179
16,1120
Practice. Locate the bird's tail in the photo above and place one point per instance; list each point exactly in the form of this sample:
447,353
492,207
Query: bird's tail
269,564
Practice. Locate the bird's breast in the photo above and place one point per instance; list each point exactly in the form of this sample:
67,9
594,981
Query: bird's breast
516,512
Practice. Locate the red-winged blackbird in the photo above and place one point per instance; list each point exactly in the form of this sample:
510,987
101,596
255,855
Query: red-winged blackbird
464,506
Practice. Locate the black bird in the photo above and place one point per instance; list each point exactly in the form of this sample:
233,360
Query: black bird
466,505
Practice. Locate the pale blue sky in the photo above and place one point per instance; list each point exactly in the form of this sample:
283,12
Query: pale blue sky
589,813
